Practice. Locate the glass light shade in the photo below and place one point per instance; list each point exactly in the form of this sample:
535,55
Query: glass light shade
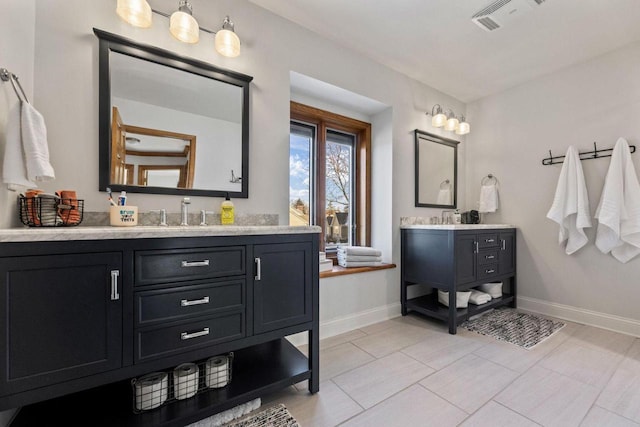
463,128
452,124
438,120
227,43
184,27
135,12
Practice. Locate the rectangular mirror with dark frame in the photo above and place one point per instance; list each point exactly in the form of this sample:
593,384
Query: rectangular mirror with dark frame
436,171
170,124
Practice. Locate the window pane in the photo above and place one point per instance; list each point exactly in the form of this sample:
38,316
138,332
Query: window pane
301,141
339,189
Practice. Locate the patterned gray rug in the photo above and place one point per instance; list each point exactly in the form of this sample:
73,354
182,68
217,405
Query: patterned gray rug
522,329
276,416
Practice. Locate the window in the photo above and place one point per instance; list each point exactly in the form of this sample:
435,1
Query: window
329,184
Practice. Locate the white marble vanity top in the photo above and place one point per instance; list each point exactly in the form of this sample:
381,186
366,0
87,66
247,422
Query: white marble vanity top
458,226
142,232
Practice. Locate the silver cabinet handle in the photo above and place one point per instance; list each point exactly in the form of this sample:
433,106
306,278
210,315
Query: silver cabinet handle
114,285
188,336
489,240
489,271
504,245
187,303
489,256
476,245
258,269
204,263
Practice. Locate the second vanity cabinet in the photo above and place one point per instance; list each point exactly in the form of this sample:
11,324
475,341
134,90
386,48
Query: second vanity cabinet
84,317
456,260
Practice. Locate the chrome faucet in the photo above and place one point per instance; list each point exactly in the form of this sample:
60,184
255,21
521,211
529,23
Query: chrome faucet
203,216
163,216
184,211
448,217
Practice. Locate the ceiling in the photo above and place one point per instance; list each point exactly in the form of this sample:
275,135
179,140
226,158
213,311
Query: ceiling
435,41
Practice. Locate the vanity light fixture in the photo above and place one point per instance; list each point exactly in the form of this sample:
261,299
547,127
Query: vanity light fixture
463,127
182,25
449,121
439,119
452,121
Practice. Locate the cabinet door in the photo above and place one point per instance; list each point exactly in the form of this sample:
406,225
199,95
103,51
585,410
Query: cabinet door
282,285
466,248
507,259
62,317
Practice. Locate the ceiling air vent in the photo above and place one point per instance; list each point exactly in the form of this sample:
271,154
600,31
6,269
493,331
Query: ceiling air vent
500,12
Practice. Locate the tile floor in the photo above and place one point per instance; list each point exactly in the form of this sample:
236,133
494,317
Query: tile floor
409,371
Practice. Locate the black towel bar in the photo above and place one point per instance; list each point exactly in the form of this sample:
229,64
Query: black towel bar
586,155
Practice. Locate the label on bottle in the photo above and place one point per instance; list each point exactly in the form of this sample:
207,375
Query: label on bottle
226,215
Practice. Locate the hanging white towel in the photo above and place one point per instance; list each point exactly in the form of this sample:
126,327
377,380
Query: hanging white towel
14,171
488,198
35,146
570,208
618,212
444,197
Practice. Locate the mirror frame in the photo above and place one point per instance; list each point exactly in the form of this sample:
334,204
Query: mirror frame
419,134
109,42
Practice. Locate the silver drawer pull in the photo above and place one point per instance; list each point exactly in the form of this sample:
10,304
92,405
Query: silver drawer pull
476,247
187,303
489,240
258,275
188,336
204,263
114,285
504,245
489,271
489,257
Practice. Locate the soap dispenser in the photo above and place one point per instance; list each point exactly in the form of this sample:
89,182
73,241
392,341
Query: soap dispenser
457,217
227,211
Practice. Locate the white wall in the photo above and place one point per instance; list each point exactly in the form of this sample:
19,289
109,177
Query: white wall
512,132
17,33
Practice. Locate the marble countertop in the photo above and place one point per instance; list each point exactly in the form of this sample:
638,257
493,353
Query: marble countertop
143,232
457,226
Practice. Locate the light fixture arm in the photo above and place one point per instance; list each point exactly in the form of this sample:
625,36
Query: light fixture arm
435,110
227,24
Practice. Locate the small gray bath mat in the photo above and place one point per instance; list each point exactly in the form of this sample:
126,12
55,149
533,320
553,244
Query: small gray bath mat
276,416
522,329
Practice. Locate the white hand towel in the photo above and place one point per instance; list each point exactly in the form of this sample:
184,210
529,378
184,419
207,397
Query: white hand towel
359,250
14,171
618,212
570,208
369,258
478,297
34,144
358,263
444,197
488,198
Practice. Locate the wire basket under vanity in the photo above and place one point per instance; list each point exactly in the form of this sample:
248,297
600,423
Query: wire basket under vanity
185,381
50,211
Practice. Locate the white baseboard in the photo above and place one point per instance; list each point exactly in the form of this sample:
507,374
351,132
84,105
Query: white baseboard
610,322
340,325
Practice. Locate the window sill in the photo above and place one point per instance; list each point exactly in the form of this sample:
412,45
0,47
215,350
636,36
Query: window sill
342,271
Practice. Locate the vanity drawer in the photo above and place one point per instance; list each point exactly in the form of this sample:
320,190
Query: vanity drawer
161,342
154,267
488,240
488,271
176,303
488,257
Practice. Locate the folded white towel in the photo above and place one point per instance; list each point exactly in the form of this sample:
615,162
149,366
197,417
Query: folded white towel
478,297
493,289
369,258
34,143
358,263
488,198
462,298
14,170
570,208
444,197
618,212
359,250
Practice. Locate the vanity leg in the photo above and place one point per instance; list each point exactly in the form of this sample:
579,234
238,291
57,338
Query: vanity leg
514,292
403,298
314,360
453,312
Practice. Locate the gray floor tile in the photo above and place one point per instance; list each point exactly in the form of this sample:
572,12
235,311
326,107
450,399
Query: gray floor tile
442,349
392,339
495,415
341,358
622,394
602,340
470,382
341,339
414,406
382,378
598,417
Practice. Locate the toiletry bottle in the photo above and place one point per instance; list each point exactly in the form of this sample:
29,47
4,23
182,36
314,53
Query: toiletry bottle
122,199
457,217
227,211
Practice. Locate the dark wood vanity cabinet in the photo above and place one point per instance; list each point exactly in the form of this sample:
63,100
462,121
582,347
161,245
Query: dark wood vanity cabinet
91,315
456,260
